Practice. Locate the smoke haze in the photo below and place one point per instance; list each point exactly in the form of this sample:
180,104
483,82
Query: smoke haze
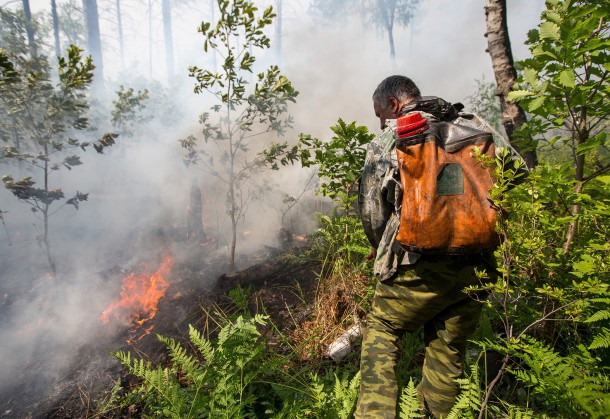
141,186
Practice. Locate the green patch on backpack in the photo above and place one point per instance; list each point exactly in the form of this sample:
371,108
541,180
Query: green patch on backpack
450,180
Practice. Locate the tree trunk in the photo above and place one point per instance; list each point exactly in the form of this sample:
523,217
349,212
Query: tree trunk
502,62
213,22
278,32
120,28
55,27
94,42
150,42
195,215
389,26
391,40
29,28
579,177
45,216
167,34
233,209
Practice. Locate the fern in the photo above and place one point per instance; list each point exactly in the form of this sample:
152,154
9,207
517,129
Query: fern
185,362
161,381
220,386
203,345
571,385
319,396
409,405
468,402
515,412
326,396
602,339
110,402
345,394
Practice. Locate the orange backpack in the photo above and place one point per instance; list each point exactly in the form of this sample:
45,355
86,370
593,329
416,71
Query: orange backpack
445,203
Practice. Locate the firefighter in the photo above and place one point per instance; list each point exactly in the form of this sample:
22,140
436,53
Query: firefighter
413,289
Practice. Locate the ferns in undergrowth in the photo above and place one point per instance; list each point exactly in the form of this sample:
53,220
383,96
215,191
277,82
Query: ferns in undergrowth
235,377
468,402
601,340
328,396
601,314
341,235
572,385
162,382
409,405
215,383
345,395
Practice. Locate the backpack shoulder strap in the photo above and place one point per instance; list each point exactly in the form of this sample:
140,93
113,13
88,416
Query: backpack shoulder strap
435,106
449,136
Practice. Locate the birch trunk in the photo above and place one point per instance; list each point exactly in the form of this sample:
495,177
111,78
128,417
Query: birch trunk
55,27
120,28
94,42
29,27
167,34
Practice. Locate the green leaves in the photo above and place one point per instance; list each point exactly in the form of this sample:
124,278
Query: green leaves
340,159
76,199
549,30
572,386
75,73
25,191
564,84
409,404
128,107
566,78
517,95
237,19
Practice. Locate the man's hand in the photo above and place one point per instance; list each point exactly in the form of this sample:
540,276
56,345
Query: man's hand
372,255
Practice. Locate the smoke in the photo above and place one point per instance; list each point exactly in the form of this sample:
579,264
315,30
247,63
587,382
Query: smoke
139,191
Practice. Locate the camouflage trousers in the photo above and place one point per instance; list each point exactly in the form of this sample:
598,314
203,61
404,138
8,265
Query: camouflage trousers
428,293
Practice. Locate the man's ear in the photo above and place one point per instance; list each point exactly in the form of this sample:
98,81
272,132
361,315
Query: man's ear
394,105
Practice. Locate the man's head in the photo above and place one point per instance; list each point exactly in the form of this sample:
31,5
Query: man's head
391,95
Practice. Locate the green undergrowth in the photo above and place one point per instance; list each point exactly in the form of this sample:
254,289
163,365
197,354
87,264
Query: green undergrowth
553,365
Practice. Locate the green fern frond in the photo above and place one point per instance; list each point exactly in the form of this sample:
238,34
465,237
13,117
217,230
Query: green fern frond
203,345
603,300
409,404
161,381
601,340
188,364
515,412
469,400
599,316
221,386
345,394
318,393
570,384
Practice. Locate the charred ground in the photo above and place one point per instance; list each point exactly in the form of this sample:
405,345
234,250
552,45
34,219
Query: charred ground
278,284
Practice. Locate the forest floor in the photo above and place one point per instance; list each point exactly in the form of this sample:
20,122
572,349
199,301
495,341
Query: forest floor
279,286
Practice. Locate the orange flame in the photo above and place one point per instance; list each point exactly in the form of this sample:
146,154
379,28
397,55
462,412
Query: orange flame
140,296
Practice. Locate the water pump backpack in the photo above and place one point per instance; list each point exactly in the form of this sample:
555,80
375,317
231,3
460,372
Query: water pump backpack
445,203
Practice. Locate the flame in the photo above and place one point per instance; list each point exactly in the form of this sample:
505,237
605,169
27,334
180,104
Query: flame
140,296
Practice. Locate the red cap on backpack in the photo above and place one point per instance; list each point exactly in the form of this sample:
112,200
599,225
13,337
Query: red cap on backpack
410,124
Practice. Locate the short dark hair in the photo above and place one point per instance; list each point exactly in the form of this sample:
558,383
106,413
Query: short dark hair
400,87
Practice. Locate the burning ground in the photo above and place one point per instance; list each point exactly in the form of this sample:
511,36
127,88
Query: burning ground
72,376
